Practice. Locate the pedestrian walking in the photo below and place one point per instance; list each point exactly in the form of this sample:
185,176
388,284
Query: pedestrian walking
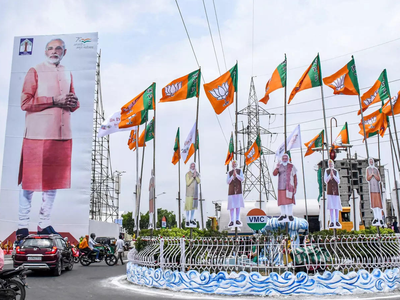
120,249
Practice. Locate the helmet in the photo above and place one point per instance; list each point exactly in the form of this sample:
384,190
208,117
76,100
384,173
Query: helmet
92,235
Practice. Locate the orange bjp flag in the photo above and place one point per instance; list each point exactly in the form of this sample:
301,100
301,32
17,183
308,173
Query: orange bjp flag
140,104
342,138
316,142
374,123
254,152
277,81
220,92
182,88
378,92
177,149
344,81
311,78
134,119
387,110
132,139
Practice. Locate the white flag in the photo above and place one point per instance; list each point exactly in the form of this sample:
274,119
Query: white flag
110,125
293,141
187,149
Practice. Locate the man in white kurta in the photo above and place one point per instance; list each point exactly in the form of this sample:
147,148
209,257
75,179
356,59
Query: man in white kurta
192,195
235,197
332,180
374,180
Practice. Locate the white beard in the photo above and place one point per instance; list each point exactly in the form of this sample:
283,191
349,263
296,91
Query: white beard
285,163
54,61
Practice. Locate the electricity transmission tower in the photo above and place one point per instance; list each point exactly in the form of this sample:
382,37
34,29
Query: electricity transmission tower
104,200
256,175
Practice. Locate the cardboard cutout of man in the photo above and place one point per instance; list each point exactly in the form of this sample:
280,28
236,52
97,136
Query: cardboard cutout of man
48,98
332,180
375,195
287,187
235,197
151,200
192,195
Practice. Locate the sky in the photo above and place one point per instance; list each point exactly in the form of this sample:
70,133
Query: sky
145,41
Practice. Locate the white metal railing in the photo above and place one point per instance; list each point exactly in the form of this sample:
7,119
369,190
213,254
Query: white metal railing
266,254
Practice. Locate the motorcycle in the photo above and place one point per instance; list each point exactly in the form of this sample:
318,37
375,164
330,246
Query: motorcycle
13,284
105,254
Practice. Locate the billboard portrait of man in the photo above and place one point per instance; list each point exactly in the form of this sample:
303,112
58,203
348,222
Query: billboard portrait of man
46,171
48,99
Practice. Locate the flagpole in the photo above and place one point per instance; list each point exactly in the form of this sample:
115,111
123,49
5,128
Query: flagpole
348,150
327,150
284,109
380,175
362,117
154,168
195,152
179,193
201,196
323,189
261,177
141,172
197,121
304,180
236,121
392,147
137,182
394,124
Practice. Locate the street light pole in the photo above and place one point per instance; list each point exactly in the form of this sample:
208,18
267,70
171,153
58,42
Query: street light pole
117,190
155,211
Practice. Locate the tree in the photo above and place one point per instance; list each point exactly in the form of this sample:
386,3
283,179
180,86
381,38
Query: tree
209,224
128,223
169,215
144,221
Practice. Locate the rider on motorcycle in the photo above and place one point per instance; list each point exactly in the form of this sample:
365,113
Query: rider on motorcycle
92,245
84,245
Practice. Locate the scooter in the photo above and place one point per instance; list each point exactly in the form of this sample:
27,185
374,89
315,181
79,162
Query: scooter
13,284
76,254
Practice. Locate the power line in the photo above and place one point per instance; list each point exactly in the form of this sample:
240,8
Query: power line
194,53
187,33
212,40
343,55
215,52
219,33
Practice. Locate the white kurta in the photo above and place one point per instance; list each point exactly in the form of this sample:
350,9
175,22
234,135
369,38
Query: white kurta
334,201
235,201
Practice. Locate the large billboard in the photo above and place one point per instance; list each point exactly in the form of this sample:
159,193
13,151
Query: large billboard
46,175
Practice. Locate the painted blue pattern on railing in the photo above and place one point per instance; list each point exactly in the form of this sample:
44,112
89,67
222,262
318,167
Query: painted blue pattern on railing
254,283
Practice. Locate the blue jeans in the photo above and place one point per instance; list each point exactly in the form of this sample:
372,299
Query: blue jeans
97,252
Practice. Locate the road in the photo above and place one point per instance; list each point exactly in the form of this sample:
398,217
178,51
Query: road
101,282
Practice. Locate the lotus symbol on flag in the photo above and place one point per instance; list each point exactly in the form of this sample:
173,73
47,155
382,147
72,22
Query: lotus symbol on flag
251,154
221,92
338,141
394,99
170,90
369,100
339,83
130,119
